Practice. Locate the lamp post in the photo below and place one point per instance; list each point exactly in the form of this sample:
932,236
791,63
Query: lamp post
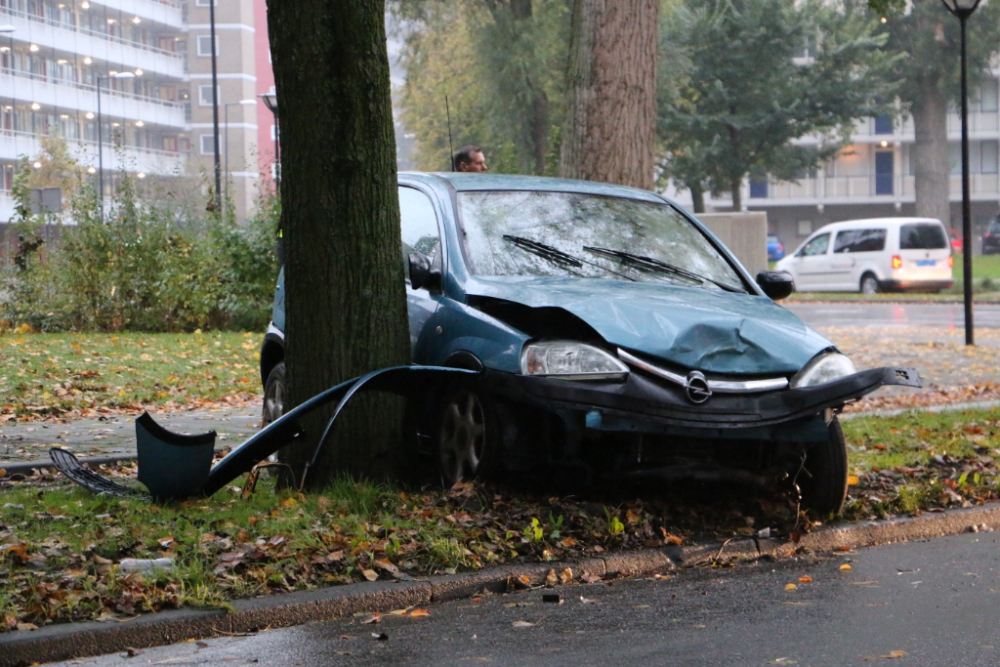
963,10
271,102
215,107
100,134
227,105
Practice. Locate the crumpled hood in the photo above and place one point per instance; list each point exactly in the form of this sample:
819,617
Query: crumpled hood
695,328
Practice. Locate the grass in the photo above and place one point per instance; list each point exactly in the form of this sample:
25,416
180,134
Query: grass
73,374
60,545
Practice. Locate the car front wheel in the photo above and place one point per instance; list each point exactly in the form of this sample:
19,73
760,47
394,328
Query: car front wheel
823,479
466,435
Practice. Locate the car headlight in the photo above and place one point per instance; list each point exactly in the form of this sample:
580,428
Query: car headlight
570,360
822,369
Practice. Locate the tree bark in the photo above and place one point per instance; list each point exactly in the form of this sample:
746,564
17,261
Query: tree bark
611,92
932,172
345,299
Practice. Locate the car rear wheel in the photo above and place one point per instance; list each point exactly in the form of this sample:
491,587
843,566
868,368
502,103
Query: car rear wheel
467,434
869,284
823,479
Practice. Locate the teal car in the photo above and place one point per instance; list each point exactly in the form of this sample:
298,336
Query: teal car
611,335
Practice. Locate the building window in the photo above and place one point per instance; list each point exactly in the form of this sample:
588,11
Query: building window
883,125
883,172
274,132
989,155
208,144
758,189
205,96
205,3
205,45
988,96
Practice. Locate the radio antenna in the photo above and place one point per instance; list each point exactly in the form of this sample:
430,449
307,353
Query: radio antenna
451,149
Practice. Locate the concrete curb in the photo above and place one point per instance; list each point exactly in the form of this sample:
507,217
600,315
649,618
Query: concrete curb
75,640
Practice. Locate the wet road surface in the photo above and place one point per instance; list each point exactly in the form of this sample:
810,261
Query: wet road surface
986,316
922,603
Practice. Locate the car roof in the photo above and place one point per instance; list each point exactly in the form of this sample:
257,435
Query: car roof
866,222
472,182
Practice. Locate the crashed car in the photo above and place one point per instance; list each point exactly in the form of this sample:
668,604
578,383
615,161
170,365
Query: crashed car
613,336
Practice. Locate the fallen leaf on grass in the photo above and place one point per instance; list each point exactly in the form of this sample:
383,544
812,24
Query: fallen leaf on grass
370,575
845,567
790,587
420,612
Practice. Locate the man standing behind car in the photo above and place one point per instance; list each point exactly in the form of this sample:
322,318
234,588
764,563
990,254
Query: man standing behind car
470,158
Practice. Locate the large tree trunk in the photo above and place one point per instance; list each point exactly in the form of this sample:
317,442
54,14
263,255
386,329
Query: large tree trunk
611,92
932,173
345,299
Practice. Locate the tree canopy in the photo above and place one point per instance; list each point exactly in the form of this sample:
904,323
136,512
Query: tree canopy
759,74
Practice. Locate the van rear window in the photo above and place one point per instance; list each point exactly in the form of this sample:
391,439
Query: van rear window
922,236
860,240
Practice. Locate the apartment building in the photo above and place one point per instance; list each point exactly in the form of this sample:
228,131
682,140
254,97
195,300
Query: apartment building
128,84
874,176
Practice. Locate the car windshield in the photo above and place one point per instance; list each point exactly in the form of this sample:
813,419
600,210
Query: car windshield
529,233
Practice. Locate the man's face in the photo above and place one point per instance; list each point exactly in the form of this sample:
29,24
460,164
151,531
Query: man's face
476,163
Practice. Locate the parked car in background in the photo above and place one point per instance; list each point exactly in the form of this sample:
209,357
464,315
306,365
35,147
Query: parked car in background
775,248
991,238
614,337
873,255
956,241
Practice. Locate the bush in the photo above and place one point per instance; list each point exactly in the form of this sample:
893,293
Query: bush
145,268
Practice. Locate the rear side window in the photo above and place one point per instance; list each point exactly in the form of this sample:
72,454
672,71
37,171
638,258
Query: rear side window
860,240
922,236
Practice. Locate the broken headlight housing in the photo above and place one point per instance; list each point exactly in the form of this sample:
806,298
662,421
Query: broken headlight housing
571,360
823,368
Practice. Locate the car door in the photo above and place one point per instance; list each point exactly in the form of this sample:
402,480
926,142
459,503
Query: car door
420,232
842,263
813,264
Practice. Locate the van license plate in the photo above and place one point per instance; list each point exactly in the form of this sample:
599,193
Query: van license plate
926,262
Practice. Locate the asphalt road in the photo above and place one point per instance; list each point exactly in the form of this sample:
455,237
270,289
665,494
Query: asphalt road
985,316
921,603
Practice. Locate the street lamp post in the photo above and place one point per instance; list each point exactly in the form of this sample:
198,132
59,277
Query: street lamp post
215,107
963,10
271,102
226,142
100,135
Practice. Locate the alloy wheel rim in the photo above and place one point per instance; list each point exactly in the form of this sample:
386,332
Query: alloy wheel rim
463,435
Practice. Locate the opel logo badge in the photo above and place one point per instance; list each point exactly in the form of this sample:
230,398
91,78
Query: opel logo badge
696,387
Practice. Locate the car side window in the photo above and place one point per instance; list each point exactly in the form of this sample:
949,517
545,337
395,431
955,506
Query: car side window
860,240
418,226
816,246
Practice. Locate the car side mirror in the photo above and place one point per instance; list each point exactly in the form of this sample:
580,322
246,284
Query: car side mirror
422,274
776,284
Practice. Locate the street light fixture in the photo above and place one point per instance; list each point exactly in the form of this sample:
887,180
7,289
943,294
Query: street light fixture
271,102
232,104
963,10
100,136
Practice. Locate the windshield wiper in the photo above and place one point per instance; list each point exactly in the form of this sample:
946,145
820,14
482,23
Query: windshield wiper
651,264
556,255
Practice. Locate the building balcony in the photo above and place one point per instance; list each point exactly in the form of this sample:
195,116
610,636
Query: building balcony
165,12
136,159
53,34
868,189
22,87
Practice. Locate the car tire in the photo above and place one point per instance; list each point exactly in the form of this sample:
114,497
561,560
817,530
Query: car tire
274,395
823,479
467,435
869,284
274,403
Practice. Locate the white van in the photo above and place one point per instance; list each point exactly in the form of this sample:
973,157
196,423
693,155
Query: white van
873,255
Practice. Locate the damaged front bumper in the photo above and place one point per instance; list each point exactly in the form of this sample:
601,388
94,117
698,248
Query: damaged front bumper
641,399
